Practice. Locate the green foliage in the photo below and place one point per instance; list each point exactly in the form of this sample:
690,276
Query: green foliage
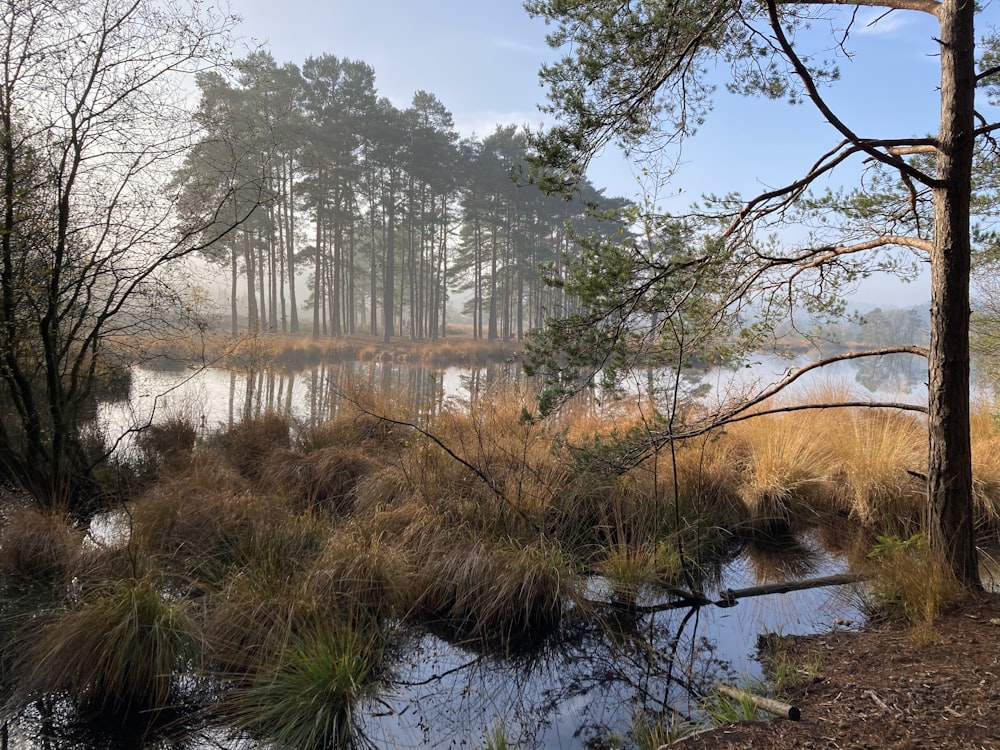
496,738
911,583
308,696
662,301
724,709
652,732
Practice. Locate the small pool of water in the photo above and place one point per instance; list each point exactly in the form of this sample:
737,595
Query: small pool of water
585,689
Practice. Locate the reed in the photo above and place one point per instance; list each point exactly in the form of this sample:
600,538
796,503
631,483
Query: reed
202,537
170,443
632,568
496,738
262,595
655,731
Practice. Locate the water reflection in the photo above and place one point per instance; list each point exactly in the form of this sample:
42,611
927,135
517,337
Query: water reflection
215,397
607,669
892,373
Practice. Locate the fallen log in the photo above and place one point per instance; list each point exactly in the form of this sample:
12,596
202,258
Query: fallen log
772,706
728,597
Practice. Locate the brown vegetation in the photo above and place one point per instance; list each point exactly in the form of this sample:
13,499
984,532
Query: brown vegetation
479,523
253,351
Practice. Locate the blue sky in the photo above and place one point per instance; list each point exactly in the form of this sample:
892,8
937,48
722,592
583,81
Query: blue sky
481,59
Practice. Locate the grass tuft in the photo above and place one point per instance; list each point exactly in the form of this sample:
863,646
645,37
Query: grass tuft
325,478
911,584
38,548
118,651
309,695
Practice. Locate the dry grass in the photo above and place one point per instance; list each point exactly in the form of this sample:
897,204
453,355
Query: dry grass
504,597
911,584
235,561
784,469
118,651
38,548
325,478
246,444
362,571
985,429
876,451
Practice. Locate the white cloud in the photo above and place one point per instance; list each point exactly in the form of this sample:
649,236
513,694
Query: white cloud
880,21
506,43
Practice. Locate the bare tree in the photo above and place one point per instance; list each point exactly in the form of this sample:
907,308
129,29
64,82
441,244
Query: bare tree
94,117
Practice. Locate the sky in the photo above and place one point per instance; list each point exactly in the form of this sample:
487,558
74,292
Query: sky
481,58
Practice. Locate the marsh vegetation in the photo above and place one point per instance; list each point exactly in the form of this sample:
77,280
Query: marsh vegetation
296,585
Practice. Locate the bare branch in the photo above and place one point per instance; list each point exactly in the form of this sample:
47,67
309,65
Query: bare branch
815,257
807,80
989,72
761,205
745,409
908,150
925,6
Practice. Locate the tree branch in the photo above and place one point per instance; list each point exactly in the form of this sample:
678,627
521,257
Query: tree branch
807,80
925,6
818,256
742,411
988,73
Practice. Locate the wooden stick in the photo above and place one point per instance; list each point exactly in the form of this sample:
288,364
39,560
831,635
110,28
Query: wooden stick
730,596
778,708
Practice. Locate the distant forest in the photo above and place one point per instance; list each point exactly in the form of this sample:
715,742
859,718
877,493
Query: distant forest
384,213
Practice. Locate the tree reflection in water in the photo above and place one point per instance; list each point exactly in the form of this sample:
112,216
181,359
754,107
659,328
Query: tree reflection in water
580,689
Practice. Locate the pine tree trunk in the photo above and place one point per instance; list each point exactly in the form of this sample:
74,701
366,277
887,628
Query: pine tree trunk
949,476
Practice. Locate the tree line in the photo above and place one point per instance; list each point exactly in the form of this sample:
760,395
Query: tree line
385,213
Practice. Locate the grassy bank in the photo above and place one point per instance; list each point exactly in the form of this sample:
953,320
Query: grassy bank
300,351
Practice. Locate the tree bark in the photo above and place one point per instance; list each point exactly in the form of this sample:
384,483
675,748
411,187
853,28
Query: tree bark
949,477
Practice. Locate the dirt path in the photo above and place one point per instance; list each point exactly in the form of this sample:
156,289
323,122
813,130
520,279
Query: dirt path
887,687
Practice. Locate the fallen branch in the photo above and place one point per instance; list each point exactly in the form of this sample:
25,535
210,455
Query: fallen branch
772,706
730,597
